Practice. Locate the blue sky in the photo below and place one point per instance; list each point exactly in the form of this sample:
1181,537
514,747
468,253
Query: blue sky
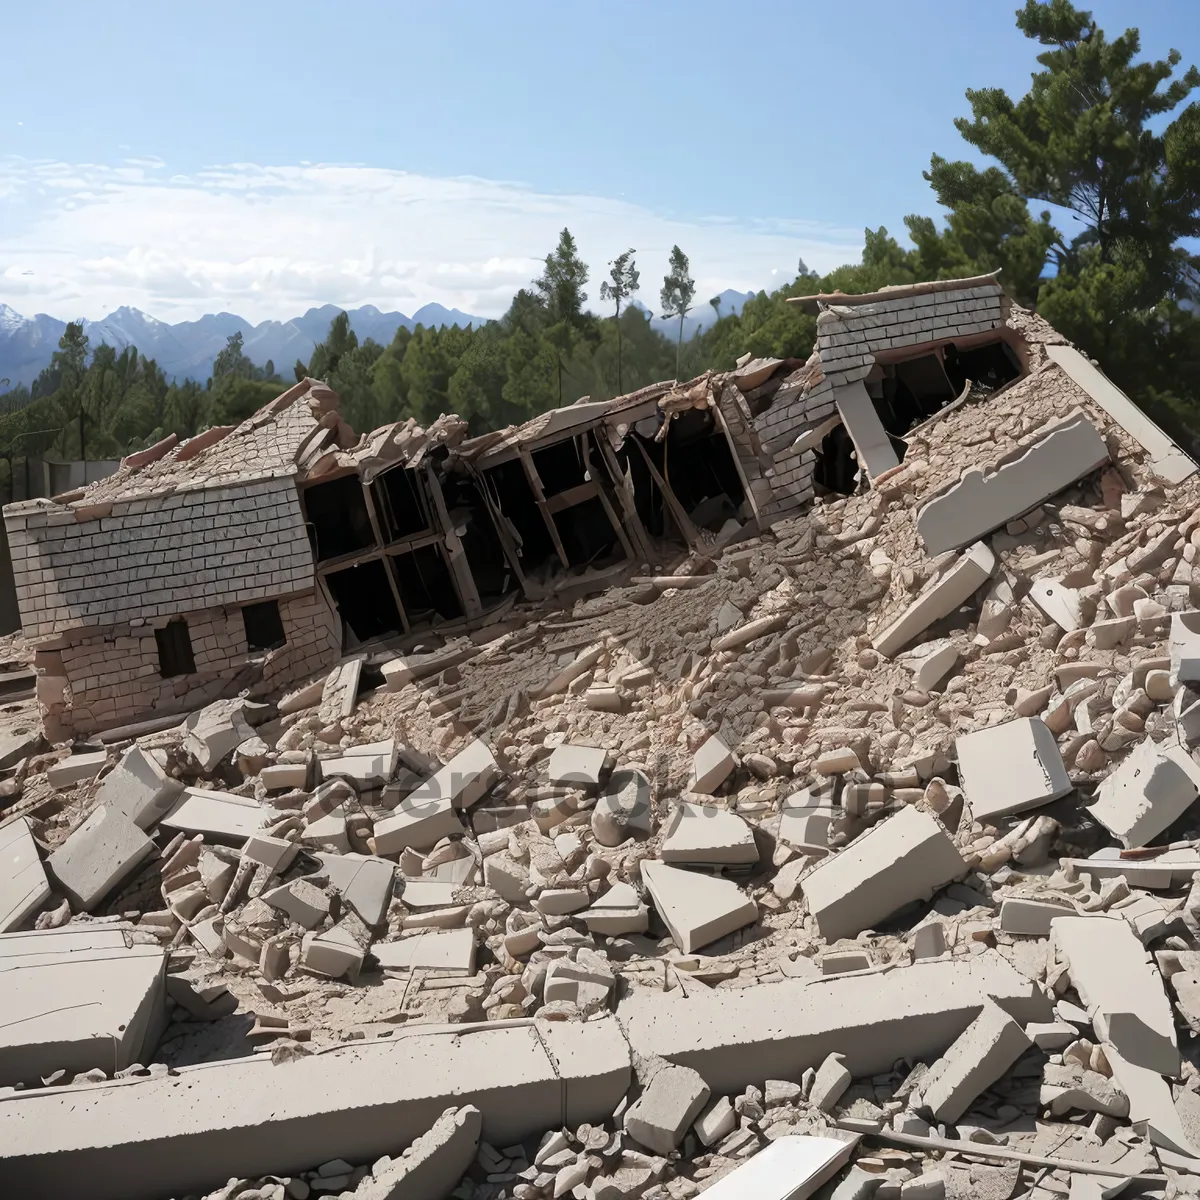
262,156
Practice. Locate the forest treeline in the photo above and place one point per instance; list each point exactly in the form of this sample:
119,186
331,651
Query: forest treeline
1089,203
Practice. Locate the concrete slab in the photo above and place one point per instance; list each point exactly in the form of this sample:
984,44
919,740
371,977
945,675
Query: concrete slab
778,1030
789,1168
905,858
931,662
577,766
951,587
23,886
872,445
364,881
1183,645
218,815
215,732
77,998
1150,789
140,788
660,1116
977,1059
432,1166
102,852
75,768
147,1137
1011,767
1123,992
984,501
1167,460
697,909
1063,605
711,766
429,893
700,833
1031,916
445,951
619,910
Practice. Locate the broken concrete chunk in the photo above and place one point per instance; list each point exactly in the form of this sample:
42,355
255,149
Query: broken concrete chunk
619,910
788,1168
1063,605
1148,791
931,662
981,1055
140,788
337,952
697,909
364,881
984,501
698,833
78,998
303,903
953,586
624,810
433,1165
23,886
578,766
75,768
1183,645
215,732
220,815
1124,994
712,765
830,1084
904,858
660,1116
717,1120
1032,916
585,983
444,951
101,852
274,853
1011,767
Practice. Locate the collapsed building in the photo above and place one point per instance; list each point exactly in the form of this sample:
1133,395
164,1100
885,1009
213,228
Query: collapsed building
704,790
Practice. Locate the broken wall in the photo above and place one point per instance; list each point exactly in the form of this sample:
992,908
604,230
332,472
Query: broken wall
113,677
156,556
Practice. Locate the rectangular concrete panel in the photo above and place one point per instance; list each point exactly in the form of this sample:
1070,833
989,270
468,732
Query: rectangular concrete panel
939,598
905,858
23,886
790,1168
220,815
871,442
77,998
779,1030
1166,459
191,1131
1010,767
983,501
1149,790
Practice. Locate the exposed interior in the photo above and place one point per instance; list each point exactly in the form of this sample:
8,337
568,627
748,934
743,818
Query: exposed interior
337,517
560,467
175,649
484,551
364,601
426,585
514,498
699,469
263,625
401,504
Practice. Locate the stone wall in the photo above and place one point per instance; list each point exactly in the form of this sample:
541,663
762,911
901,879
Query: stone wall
98,680
158,556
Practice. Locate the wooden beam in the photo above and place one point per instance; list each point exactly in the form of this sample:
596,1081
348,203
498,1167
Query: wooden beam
456,556
535,485
723,425
572,496
373,516
691,535
625,495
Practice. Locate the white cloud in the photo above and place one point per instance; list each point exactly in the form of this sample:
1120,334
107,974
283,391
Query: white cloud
268,241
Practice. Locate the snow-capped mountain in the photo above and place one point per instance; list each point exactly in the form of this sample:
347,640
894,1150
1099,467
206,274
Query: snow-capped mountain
186,350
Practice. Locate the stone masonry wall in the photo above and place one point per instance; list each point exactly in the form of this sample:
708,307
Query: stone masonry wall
103,679
157,556
850,336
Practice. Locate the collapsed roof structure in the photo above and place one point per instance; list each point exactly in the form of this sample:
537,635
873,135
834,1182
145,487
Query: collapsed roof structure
870,822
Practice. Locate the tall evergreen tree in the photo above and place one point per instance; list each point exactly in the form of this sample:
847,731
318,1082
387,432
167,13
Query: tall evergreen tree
620,285
560,289
678,291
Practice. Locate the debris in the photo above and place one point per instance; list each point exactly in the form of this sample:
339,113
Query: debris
696,908
1011,767
790,1168
1147,792
23,886
906,857
101,852
697,833
660,1116
449,952
712,765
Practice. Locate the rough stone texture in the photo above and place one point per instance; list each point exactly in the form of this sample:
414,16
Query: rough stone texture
660,1116
97,856
1151,788
431,1167
23,886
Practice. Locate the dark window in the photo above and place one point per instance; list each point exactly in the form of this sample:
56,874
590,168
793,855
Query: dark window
365,600
175,649
264,626
337,517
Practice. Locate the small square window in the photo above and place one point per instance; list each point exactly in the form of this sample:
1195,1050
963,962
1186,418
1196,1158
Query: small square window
264,626
175,649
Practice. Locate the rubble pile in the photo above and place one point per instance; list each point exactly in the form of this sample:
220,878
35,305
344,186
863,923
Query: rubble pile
860,857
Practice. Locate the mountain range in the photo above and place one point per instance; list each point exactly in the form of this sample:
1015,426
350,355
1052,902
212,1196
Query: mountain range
186,349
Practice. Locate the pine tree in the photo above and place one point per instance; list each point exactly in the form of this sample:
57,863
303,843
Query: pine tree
678,291
621,283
